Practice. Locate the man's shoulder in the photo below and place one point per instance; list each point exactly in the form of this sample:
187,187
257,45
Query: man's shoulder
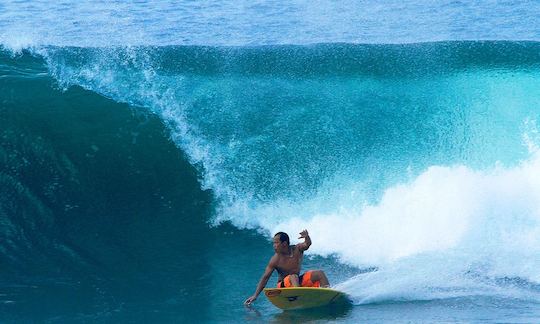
274,259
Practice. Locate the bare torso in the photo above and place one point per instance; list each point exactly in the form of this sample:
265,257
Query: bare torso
287,264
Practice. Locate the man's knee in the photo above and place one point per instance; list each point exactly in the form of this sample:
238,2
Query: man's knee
295,280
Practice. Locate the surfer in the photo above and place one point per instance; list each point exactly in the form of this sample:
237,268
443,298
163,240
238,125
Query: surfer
287,261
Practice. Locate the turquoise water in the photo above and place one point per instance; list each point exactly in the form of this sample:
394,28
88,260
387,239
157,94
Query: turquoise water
145,166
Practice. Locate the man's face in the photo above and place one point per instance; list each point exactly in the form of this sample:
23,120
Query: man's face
278,245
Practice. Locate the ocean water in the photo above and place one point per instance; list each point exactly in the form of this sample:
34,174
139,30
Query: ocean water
150,150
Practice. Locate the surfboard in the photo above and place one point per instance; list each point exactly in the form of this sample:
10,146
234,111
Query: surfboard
303,297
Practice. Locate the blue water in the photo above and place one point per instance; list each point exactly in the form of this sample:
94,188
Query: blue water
149,151
234,23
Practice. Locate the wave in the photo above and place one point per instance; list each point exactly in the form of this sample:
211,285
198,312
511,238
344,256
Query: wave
416,159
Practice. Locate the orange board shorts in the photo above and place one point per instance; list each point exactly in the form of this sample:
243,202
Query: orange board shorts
305,281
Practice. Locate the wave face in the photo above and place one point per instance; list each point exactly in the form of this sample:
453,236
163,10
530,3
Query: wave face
417,160
83,183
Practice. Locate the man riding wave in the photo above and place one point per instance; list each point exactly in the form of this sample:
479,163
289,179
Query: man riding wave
287,260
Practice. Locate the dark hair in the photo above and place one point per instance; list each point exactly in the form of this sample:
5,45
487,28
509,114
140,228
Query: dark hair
283,237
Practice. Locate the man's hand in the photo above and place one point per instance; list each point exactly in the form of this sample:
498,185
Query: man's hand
307,241
250,300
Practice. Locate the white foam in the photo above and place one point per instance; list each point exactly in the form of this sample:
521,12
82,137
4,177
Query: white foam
452,231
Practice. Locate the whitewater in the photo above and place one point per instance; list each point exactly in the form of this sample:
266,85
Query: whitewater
404,137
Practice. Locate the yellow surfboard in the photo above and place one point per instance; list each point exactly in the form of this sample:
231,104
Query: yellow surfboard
302,297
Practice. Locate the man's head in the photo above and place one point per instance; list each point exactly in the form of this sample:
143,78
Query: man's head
281,242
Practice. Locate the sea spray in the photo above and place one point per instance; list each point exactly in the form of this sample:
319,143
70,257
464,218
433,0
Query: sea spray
452,232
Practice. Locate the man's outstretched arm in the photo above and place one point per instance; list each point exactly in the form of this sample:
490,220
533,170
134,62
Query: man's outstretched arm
307,241
262,283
